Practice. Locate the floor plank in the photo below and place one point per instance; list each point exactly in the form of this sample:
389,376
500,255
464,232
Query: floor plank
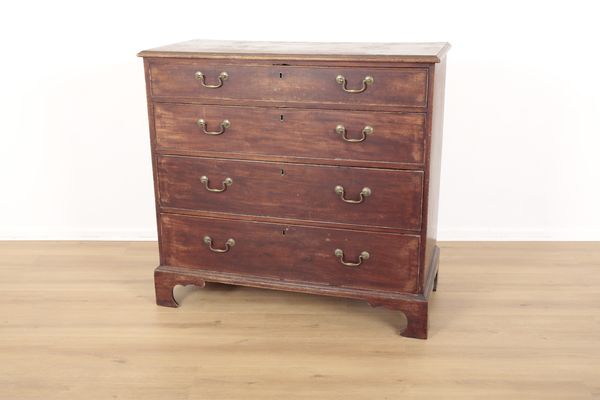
509,320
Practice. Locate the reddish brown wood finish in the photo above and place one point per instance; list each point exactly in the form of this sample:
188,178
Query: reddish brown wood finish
303,192
164,282
293,253
153,153
285,158
400,86
433,170
296,134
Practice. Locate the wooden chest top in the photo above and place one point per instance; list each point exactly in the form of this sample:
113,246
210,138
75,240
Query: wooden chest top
316,51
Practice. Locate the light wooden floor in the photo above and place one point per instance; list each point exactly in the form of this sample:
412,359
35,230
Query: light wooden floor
509,321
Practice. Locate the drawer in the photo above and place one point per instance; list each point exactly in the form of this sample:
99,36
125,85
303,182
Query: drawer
292,253
304,192
401,87
291,132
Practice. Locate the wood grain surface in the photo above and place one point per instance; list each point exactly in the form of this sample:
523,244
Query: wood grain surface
293,134
293,253
433,172
303,192
297,84
78,320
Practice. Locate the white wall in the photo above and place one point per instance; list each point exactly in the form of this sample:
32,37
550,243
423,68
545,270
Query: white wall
522,133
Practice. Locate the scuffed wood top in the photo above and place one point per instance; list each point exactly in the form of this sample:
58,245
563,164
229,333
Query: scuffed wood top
392,52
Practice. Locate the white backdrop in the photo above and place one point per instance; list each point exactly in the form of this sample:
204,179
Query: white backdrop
522,130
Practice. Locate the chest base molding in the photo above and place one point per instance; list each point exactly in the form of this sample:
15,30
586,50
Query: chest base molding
413,306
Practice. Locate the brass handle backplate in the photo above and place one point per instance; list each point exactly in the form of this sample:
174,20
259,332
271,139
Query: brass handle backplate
224,185
365,192
341,129
363,256
341,79
224,125
228,245
222,77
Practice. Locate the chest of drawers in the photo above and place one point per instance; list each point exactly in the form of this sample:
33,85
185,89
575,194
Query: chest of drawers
308,167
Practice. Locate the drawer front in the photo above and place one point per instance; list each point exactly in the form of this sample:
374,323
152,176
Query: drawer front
292,253
321,134
304,192
402,87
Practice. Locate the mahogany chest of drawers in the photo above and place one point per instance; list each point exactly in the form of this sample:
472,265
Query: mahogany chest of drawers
308,167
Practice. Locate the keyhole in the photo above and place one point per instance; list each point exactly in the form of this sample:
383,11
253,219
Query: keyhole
281,117
281,75
282,172
283,232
